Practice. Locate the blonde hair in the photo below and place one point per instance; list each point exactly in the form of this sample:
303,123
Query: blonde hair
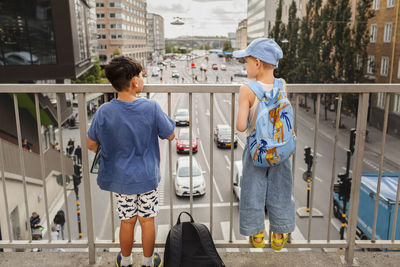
53,228
265,65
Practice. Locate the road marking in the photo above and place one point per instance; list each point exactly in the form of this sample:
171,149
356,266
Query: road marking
226,122
200,205
370,164
228,161
208,167
207,112
225,233
197,120
198,131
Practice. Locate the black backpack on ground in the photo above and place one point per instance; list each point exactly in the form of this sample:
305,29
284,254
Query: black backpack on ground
190,244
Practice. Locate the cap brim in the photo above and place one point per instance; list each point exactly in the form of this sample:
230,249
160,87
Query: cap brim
240,53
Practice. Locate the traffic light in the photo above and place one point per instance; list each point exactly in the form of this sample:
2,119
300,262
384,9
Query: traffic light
308,158
352,140
77,177
343,187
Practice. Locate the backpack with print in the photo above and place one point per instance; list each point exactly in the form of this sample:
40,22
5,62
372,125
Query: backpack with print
190,244
273,140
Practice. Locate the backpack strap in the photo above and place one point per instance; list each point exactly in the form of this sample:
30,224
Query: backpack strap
257,89
208,245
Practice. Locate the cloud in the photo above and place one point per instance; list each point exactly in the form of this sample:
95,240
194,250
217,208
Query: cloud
162,9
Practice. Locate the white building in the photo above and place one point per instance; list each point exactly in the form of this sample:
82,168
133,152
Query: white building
155,35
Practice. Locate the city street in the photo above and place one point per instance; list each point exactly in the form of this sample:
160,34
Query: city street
221,180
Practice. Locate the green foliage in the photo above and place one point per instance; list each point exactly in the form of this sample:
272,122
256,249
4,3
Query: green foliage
92,75
205,47
116,52
227,46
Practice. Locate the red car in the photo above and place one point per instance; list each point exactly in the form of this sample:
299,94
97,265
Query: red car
214,66
182,142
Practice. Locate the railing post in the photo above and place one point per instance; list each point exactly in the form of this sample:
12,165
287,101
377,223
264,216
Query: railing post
86,177
357,173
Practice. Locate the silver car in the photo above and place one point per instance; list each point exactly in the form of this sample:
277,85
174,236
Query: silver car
182,178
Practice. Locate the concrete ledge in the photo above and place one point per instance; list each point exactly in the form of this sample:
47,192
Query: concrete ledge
239,259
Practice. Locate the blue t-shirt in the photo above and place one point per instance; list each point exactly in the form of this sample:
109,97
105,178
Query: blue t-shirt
128,133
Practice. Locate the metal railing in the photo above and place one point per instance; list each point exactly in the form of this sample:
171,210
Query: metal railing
363,91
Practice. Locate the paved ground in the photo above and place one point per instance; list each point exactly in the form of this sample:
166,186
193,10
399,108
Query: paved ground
80,259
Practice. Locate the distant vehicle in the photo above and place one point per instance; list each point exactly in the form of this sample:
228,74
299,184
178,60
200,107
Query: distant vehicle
222,136
182,142
203,67
241,74
173,64
237,177
182,117
214,66
155,72
182,178
20,58
223,67
175,74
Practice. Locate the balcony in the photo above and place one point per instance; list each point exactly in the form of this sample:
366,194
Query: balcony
306,247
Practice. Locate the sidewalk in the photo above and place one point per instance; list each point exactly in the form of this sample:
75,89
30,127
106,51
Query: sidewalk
244,259
373,142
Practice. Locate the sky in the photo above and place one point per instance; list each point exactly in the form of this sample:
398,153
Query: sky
202,17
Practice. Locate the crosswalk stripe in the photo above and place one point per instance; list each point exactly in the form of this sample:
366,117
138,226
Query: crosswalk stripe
225,233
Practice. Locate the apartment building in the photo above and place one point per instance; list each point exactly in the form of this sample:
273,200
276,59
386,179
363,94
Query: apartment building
384,61
121,29
241,35
155,35
261,15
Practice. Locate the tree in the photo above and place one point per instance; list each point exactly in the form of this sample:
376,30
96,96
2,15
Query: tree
276,30
227,46
289,62
92,75
362,37
205,47
116,52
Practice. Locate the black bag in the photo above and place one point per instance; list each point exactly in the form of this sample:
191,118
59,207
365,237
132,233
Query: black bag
190,244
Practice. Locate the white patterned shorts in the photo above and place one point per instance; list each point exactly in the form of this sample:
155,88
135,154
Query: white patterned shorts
143,205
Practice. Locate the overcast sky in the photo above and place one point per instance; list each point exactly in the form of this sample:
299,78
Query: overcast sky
206,17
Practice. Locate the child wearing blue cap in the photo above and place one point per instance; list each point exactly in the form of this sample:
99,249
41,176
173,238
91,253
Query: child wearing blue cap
269,187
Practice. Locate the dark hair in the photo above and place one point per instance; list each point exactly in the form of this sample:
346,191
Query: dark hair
121,70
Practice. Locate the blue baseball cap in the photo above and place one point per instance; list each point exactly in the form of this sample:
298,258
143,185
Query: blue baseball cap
264,49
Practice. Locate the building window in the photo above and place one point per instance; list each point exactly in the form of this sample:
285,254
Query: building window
396,107
375,4
380,103
384,66
374,33
101,26
100,15
117,15
102,46
371,64
101,36
113,36
387,35
99,4
390,3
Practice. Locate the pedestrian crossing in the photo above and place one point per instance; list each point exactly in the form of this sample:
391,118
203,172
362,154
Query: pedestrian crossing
221,231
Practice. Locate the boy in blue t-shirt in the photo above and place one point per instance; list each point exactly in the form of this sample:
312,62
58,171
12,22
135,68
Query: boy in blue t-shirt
128,128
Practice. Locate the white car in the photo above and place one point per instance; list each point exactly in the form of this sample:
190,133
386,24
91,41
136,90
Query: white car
223,67
237,177
182,178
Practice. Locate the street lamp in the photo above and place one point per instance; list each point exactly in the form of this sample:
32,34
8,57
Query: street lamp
179,21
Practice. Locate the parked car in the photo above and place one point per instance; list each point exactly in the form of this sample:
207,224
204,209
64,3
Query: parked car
182,142
182,178
175,74
182,117
223,67
155,72
222,136
240,74
214,66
